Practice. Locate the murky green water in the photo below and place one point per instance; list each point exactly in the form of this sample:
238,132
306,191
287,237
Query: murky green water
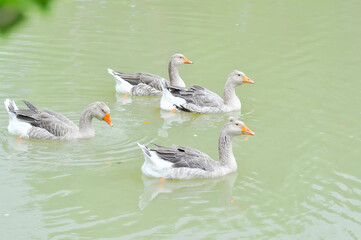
299,177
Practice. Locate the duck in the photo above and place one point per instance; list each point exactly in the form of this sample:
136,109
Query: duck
197,99
178,162
148,84
49,125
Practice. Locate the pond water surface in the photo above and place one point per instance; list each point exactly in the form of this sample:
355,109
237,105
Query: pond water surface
299,177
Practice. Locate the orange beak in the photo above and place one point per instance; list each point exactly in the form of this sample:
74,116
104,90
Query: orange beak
187,61
247,80
246,130
108,120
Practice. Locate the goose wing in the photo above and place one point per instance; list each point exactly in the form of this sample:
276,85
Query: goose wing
44,120
41,133
62,118
183,157
143,89
197,96
149,79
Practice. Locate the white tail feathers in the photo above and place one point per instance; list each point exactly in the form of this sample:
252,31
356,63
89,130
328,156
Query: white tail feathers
169,101
10,105
153,165
112,72
117,78
121,86
144,149
16,126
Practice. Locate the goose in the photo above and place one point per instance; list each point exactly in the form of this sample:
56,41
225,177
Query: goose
147,84
47,124
198,99
180,162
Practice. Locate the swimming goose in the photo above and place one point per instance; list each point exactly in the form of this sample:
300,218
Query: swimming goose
180,162
47,124
201,100
147,84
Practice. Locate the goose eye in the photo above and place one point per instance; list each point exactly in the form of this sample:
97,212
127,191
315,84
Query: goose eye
103,111
180,57
239,75
237,124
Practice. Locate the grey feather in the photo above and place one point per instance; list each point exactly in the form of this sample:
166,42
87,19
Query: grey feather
47,124
201,100
153,81
145,90
30,106
198,99
178,162
62,118
186,157
145,84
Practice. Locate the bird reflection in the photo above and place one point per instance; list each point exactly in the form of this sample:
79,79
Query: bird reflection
197,120
18,143
155,186
123,98
26,145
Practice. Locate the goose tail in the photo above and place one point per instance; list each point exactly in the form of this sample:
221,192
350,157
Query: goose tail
16,126
10,106
145,150
168,101
121,85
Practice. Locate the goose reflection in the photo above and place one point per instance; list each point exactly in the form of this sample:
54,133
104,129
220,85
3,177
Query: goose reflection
27,145
123,98
197,120
188,188
15,143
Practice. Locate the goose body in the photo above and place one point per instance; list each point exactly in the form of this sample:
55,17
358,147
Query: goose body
148,84
50,125
179,162
198,99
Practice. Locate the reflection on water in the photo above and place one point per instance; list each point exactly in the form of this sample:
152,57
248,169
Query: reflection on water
15,144
123,98
187,189
197,121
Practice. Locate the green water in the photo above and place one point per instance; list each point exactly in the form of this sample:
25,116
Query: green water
299,177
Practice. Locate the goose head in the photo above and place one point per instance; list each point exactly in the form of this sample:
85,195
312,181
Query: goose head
101,111
238,78
179,59
235,127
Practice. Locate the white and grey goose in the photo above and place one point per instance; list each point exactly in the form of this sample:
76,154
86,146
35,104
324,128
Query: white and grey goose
147,84
201,100
47,124
180,162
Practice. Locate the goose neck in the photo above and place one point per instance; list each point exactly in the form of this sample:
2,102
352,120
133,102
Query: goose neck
174,78
85,123
226,156
229,96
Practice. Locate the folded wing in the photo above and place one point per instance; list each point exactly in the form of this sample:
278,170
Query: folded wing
149,79
198,99
54,123
186,157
